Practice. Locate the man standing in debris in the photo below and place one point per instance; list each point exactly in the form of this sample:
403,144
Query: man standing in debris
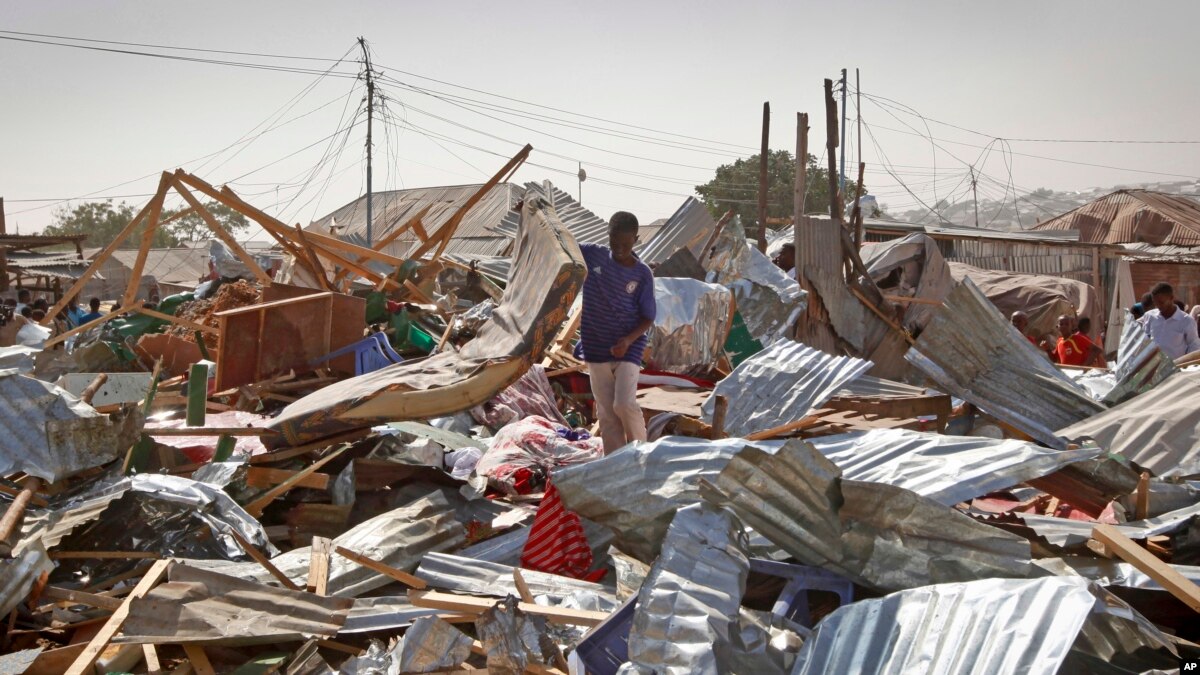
618,309
786,260
1170,327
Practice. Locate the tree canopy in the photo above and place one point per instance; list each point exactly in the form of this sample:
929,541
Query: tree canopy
102,221
735,186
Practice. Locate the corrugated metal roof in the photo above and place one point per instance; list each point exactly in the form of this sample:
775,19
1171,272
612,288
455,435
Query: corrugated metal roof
470,575
691,225
781,384
971,351
18,574
587,227
1165,253
946,469
475,235
1159,430
877,535
988,626
1133,216
181,266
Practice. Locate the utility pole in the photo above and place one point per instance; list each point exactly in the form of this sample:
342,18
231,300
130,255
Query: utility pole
582,177
831,145
762,177
974,195
842,167
801,187
3,251
858,216
362,42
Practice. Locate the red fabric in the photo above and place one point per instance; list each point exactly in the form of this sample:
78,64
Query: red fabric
557,544
1074,351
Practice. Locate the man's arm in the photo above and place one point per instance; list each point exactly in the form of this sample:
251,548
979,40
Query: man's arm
1190,336
618,350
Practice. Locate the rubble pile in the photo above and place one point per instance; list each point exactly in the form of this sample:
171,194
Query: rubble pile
305,499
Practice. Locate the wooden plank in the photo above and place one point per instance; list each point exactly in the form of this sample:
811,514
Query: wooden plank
83,663
222,234
1141,503
1168,577
318,565
150,655
384,569
80,598
256,507
462,603
34,499
289,453
797,425
310,256
178,321
522,587
15,512
262,560
55,661
333,243
199,659
265,477
341,647
139,263
61,337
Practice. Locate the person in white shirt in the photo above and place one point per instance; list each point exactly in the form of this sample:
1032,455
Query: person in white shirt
1170,327
22,300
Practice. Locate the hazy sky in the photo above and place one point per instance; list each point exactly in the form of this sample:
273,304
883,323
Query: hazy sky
75,121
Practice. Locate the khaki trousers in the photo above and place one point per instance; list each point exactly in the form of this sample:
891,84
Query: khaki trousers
614,387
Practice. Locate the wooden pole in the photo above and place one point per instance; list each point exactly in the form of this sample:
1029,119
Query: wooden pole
831,145
762,177
3,251
720,407
856,214
801,187
16,510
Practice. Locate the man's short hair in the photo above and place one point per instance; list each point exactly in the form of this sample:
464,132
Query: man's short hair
623,222
94,302
23,293
1084,324
1162,288
789,246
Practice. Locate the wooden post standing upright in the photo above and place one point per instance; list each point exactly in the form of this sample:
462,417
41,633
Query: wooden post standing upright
762,177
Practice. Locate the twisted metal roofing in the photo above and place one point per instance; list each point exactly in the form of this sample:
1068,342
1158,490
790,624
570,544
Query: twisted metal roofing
1133,216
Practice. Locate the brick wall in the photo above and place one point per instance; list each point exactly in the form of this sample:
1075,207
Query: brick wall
1184,277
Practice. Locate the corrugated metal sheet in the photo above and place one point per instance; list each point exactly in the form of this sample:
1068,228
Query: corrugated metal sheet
475,234
398,538
497,268
51,434
585,226
183,266
970,350
877,535
17,576
1159,430
688,605
636,490
1167,253
387,612
946,469
1141,365
1133,216
1113,572
198,607
868,385
691,325
989,626
470,575
781,384
691,225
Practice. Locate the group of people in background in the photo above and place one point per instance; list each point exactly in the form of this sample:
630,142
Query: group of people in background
1165,319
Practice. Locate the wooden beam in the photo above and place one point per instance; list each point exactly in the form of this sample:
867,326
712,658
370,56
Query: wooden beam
61,337
265,477
80,598
150,655
1168,577
318,565
310,256
462,603
139,263
222,234
36,500
262,560
232,200
1141,508
255,508
335,244
15,512
102,256
83,663
382,568
289,453
199,659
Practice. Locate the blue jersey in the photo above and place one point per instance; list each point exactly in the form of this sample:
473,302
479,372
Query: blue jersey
615,299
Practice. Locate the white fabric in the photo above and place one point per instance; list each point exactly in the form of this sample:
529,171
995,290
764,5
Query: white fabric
614,387
1175,336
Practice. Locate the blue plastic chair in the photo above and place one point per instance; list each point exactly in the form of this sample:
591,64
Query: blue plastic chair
370,354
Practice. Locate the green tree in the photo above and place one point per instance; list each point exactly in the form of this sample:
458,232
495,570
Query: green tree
192,227
102,222
735,186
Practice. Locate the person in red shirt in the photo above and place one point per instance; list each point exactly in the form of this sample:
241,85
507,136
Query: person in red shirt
1074,348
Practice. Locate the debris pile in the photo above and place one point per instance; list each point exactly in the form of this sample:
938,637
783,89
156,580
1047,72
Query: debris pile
366,468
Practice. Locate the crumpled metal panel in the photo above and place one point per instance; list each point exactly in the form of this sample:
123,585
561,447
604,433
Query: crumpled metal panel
384,613
512,639
879,535
973,352
51,434
398,538
1158,430
198,607
170,515
636,490
768,300
1112,572
690,226
688,604
431,644
1141,365
781,384
986,626
946,469
690,326
17,576
468,575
